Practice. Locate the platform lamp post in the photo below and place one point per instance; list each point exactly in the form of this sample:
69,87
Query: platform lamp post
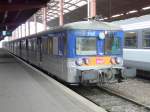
61,15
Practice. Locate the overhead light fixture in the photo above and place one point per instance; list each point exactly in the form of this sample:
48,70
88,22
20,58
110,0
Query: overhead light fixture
146,8
105,18
101,19
117,15
132,32
131,12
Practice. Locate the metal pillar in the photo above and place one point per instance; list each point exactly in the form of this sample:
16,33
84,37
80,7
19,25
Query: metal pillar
93,8
25,29
18,31
88,8
61,15
21,31
28,27
35,23
109,8
91,11
45,18
14,34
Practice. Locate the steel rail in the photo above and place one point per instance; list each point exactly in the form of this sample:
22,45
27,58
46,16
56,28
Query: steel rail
113,92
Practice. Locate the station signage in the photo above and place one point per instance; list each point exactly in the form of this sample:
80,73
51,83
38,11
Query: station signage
5,33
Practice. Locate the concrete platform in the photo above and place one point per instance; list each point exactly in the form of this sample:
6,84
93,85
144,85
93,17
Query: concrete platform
23,89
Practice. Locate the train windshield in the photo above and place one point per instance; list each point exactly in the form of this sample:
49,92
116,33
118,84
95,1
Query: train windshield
86,46
112,44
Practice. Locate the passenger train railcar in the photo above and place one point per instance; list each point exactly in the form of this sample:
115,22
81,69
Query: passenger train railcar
80,52
137,49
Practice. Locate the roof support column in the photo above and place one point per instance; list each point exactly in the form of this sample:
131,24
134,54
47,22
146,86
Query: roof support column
45,18
35,23
17,32
21,30
28,27
61,15
88,8
13,35
91,8
25,29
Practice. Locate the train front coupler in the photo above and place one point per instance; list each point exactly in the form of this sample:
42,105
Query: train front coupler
110,75
119,74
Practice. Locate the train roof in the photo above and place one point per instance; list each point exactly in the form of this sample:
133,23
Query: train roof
89,25
93,25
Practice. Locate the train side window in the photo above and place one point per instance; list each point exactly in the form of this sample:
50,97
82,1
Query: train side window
55,45
50,46
32,44
23,44
62,46
130,40
35,44
65,45
44,45
146,39
29,44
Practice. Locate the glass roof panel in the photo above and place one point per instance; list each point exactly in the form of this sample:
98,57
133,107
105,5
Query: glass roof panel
53,8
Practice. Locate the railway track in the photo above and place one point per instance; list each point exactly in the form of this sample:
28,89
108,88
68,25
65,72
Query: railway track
125,97
111,100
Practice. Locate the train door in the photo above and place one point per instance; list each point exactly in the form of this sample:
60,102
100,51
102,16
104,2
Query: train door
27,50
12,47
39,50
20,48
62,54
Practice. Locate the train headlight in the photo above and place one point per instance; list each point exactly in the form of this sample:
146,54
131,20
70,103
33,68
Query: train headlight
113,60
116,60
79,62
86,61
102,35
119,60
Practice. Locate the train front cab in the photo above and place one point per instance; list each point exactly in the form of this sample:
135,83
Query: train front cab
95,56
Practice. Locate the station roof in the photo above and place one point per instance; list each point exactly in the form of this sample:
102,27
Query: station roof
15,12
110,10
123,9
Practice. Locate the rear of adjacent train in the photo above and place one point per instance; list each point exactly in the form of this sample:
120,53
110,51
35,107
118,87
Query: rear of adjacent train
95,53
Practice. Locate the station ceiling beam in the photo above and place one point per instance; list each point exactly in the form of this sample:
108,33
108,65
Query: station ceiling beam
16,7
